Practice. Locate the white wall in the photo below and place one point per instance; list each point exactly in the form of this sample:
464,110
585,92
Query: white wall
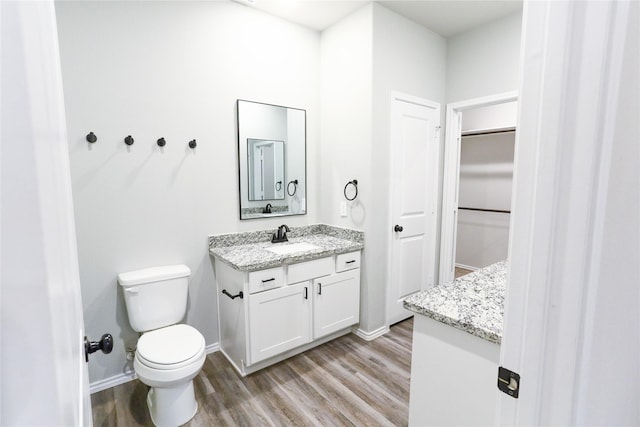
364,58
411,59
346,117
484,61
173,70
295,169
492,117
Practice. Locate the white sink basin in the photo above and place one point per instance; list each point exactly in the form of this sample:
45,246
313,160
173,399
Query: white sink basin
285,249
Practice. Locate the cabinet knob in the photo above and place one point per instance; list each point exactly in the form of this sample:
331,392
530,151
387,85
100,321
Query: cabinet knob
398,228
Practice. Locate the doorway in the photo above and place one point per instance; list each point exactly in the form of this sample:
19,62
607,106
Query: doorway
478,172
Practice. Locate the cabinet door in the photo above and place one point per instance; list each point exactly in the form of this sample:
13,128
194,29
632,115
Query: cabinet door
279,320
336,302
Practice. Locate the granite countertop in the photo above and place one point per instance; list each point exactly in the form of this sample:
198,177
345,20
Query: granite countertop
248,251
473,303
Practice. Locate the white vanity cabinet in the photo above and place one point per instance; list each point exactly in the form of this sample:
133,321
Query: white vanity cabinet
336,302
287,309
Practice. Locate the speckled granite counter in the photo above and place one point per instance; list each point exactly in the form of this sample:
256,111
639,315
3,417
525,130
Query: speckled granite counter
247,251
473,303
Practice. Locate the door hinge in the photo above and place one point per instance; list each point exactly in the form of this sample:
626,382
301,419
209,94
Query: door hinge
508,382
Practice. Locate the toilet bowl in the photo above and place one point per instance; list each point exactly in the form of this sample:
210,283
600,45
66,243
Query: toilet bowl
167,360
168,354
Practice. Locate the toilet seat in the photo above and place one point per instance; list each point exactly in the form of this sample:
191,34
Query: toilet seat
172,347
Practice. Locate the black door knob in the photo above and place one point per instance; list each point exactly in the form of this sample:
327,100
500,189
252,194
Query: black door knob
398,228
91,137
105,344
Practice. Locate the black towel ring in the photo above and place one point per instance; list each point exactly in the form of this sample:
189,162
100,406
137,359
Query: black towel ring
353,182
295,187
278,185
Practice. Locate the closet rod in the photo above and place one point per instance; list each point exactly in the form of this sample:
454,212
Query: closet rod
488,132
483,210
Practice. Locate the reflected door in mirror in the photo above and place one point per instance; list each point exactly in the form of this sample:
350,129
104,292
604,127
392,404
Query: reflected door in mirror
266,169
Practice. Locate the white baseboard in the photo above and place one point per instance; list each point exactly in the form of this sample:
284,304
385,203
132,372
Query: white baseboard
212,348
467,267
370,336
113,381
127,376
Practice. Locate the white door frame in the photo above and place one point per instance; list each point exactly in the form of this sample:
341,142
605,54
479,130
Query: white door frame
451,177
568,123
44,375
434,167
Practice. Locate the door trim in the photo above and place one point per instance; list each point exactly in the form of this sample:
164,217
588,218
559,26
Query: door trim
569,111
40,278
435,168
451,174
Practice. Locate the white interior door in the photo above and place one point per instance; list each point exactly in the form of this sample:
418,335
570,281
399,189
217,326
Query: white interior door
44,376
572,326
415,125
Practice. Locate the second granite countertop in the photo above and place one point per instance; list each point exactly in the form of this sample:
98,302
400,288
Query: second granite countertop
473,303
248,251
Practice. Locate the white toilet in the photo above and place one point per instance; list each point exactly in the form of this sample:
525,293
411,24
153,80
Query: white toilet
168,355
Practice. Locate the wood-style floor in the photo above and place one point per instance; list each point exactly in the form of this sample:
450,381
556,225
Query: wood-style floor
461,272
345,382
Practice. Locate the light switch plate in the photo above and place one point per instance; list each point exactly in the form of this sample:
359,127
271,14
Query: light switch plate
343,209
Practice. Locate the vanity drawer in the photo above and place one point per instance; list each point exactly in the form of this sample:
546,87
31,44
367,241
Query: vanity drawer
347,261
265,279
309,270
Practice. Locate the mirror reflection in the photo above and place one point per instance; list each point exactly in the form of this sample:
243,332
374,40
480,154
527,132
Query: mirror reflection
266,169
271,160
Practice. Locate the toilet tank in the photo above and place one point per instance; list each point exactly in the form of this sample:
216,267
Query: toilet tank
155,297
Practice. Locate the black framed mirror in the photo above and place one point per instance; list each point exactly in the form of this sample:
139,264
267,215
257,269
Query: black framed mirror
272,160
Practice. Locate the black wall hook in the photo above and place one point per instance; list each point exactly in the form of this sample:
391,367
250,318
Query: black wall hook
161,142
192,143
91,137
128,140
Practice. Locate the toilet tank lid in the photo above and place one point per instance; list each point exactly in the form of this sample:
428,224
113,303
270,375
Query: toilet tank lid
154,274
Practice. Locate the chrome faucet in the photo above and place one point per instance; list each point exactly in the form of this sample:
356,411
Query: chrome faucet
280,235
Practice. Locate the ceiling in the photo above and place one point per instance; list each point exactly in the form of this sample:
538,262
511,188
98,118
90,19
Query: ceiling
445,17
